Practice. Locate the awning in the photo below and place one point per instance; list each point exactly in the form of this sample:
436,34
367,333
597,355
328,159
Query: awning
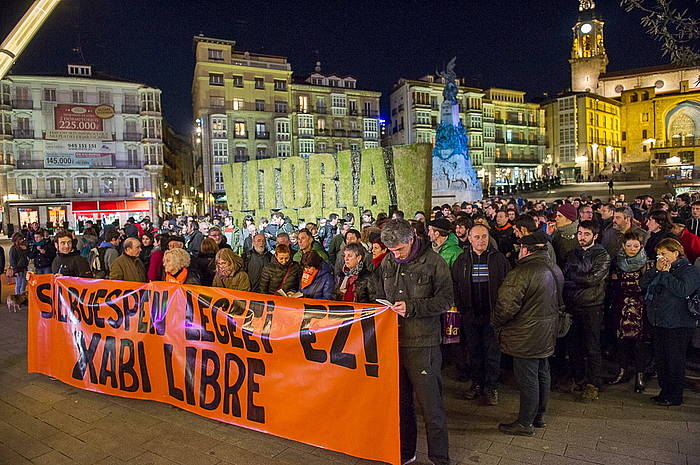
108,207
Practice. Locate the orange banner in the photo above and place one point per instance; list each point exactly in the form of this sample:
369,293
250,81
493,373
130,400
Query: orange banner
319,372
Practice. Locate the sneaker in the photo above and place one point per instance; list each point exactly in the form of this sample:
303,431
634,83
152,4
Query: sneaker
474,392
516,429
589,393
491,396
407,461
539,422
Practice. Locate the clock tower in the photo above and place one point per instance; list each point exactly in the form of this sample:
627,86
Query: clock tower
588,58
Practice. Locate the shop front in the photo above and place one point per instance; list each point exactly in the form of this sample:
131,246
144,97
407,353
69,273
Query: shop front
107,211
50,214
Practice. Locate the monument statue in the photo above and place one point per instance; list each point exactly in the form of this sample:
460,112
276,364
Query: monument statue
454,178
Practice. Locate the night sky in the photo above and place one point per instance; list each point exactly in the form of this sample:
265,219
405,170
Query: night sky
501,43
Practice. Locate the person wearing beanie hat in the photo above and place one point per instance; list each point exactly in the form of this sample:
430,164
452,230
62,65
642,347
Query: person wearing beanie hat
444,241
564,239
569,211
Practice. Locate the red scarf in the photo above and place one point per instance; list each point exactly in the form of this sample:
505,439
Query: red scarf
376,261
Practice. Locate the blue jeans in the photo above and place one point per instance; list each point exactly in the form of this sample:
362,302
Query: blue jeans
43,270
20,282
533,379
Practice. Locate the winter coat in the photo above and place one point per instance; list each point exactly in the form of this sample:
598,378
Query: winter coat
424,284
505,238
322,286
145,255
526,313
326,234
155,265
585,272
42,260
71,264
693,225
19,259
462,281
628,304
340,262
205,266
450,249
127,268
275,276
194,242
666,294
564,241
364,286
253,264
653,241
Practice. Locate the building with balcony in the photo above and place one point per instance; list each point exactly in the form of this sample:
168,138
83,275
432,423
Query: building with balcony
583,135
78,146
505,133
638,122
248,106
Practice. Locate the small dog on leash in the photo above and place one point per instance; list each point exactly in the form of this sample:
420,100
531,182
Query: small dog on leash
15,301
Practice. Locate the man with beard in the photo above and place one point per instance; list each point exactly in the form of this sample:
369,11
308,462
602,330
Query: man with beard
462,227
585,271
255,260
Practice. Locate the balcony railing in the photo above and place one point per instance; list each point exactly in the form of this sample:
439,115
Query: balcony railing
307,135
352,112
130,109
132,136
23,104
321,110
518,160
354,133
240,158
23,133
338,132
283,136
30,164
240,136
374,113
262,135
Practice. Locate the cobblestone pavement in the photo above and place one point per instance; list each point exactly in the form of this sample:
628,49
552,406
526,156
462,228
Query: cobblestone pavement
47,422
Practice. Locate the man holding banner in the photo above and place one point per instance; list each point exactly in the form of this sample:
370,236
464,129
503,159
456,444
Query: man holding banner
418,281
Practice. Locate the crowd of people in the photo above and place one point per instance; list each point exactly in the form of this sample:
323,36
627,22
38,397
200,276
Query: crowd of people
565,283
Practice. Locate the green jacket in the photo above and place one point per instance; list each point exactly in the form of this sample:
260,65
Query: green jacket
318,248
450,249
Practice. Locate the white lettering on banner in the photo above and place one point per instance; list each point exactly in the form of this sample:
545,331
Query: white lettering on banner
78,135
79,155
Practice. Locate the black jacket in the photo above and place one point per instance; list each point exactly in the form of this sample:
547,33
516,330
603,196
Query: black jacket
653,241
273,275
585,272
205,267
365,286
253,264
42,260
425,285
19,259
462,280
526,313
71,264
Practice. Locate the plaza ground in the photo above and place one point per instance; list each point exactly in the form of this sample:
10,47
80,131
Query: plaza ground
43,421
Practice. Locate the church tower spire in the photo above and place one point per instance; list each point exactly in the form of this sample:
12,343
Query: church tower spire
588,58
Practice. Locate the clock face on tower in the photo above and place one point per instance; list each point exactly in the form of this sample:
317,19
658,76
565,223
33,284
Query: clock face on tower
586,28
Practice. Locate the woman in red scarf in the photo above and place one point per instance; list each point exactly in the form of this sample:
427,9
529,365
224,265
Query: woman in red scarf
379,251
354,285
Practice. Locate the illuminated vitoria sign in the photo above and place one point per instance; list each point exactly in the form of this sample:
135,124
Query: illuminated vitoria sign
315,186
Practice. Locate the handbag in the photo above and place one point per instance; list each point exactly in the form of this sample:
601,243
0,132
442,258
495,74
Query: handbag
693,301
451,326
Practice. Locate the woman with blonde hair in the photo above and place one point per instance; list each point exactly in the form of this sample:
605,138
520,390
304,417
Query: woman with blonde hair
176,263
229,271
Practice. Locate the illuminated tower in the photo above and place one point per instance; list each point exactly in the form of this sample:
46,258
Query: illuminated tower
588,58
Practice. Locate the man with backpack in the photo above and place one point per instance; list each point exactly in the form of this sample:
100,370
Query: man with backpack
101,257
